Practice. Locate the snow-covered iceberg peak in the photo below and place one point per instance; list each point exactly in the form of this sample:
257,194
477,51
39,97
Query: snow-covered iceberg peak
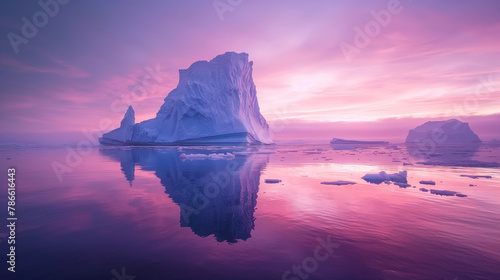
443,132
129,118
214,102
123,134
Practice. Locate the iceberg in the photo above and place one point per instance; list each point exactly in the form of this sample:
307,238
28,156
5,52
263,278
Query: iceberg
215,102
351,145
122,134
443,132
356,142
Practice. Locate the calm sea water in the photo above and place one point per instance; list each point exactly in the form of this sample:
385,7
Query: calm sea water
118,213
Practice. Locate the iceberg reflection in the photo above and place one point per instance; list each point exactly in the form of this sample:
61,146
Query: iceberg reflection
463,155
214,196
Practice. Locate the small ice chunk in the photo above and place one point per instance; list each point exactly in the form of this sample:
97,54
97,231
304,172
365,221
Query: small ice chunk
221,156
312,153
193,156
476,176
338,183
272,181
424,190
399,177
374,178
384,177
461,195
443,192
427,182
402,185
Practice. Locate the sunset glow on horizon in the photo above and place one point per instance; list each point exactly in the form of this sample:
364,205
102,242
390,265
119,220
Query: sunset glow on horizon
424,61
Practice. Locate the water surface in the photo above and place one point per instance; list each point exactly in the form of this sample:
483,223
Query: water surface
146,212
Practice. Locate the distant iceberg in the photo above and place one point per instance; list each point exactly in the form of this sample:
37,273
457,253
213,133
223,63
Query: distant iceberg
215,102
356,142
443,132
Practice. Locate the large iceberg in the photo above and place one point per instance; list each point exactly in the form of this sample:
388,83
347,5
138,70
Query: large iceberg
214,102
443,132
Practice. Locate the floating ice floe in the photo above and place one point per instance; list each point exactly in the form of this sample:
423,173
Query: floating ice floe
384,177
402,185
272,181
443,192
312,152
226,156
476,176
423,182
447,193
339,183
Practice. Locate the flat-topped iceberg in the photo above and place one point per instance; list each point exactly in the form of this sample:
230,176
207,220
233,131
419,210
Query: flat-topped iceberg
357,142
215,102
443,132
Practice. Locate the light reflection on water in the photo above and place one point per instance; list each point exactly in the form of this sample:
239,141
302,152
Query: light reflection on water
166,218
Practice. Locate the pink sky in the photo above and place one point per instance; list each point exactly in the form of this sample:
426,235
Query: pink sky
430,61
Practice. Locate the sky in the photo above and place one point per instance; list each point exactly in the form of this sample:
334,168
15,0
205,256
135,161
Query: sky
364,69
